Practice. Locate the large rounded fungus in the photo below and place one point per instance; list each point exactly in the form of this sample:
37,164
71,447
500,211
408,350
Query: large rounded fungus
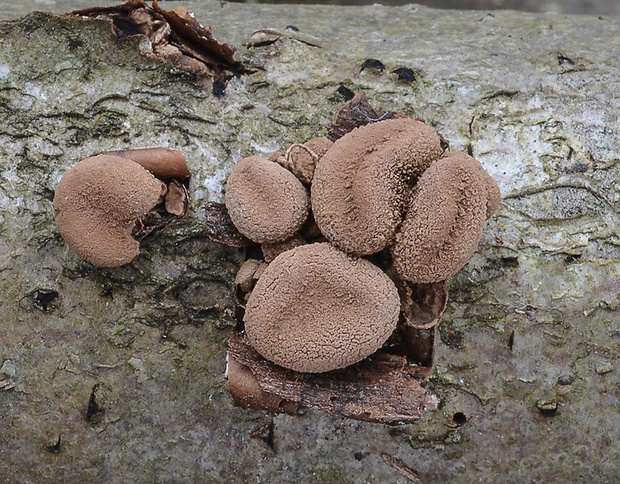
361,185
443,225
265,201
97,205
316,309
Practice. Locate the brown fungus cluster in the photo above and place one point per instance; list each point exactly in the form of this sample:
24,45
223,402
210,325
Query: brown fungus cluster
106,204
369,224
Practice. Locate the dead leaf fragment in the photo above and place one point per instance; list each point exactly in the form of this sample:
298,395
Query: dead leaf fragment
358,112
175,36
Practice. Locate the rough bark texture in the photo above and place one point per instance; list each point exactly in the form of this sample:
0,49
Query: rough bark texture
526,364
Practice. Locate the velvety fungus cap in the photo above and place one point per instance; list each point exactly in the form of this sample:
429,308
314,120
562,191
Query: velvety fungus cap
265,201
316,309
362,183
97,204
444,222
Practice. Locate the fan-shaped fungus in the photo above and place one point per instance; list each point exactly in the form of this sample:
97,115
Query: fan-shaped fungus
265,201
362,183
444,222
316,309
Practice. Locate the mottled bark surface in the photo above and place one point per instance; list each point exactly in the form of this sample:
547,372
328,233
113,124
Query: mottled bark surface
526,366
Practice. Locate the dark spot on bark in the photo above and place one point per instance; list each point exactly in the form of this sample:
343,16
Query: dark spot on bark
292,27
55,448
453,338
372,64
74,42
459,418
562,59
107,293
511,340
470,149
45,298
219,86
239,313
570,258
510,261
360,455
578,167
501,93
266,434
405,74
566,379
443,142
94,411
345,92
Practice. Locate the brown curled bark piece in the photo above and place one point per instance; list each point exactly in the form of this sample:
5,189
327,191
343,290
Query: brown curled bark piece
175,36
162,162
422,305
358,112
195,39
384,388
301,159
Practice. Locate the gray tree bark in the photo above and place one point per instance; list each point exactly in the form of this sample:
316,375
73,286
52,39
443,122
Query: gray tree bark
525,373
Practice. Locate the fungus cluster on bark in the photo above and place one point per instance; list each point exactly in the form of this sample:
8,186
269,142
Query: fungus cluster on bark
362,235
105,205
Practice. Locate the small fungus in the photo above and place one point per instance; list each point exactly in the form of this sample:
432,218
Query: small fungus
316,309
265,201
271,251
361,186
108,203
97,205
443,225
301,159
